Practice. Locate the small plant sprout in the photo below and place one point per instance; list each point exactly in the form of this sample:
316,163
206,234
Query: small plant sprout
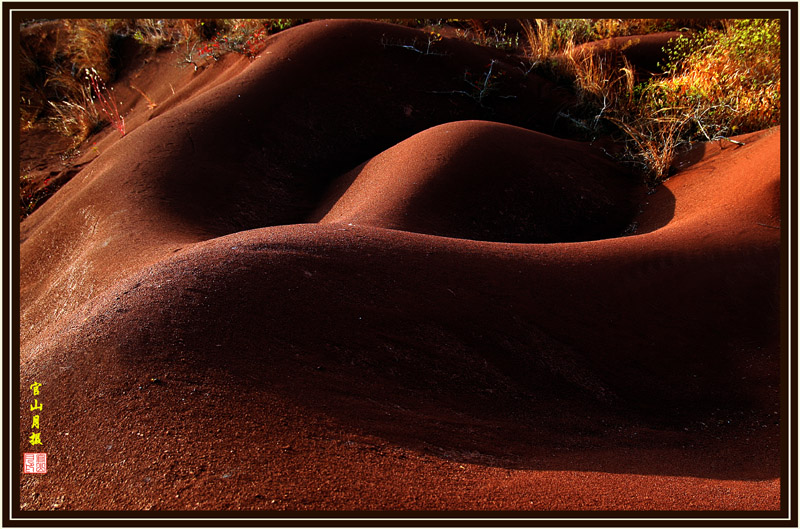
188,56
150,103
426,48
105,100
481,87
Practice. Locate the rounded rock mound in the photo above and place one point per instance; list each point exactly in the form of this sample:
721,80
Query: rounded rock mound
487,181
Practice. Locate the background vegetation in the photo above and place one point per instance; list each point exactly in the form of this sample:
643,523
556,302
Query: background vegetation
720,78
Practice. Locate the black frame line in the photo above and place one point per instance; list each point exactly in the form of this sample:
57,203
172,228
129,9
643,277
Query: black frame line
14,11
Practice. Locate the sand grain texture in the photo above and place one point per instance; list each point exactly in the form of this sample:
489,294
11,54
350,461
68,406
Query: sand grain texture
321,284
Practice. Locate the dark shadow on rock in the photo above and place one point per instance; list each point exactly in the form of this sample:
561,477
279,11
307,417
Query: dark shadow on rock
656,210
455,361
261,149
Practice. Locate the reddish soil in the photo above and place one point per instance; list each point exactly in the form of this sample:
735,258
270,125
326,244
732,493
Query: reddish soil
327,280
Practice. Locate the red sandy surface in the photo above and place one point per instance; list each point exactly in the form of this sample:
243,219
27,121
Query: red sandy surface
325,281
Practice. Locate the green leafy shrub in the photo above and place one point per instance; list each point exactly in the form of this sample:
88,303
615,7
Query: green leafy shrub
725,82
716,84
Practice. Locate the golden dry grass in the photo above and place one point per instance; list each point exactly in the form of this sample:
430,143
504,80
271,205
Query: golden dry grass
724,82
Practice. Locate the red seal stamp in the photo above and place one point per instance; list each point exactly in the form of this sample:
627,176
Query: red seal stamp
35,463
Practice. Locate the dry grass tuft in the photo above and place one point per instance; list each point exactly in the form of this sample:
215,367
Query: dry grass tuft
731,79
603,79
655,141
89,46
544,40
722,79
78,118
717,84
